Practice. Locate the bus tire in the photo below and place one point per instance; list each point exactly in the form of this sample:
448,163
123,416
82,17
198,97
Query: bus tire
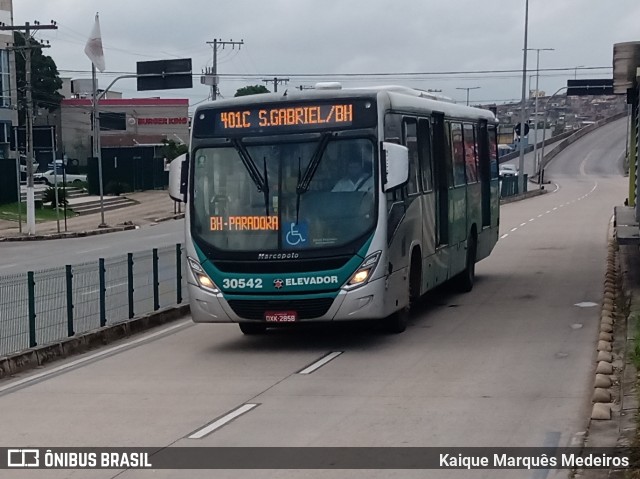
397,322
465,280
251,329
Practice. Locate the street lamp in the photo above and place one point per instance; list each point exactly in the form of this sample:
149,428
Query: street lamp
524,98
469,88
535,141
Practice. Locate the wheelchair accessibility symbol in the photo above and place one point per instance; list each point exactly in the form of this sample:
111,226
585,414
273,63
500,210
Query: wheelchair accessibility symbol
297,234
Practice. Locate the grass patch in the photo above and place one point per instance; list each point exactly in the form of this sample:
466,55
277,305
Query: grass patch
634,354
9,212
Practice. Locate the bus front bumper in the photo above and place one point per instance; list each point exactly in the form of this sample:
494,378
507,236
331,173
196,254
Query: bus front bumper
363,303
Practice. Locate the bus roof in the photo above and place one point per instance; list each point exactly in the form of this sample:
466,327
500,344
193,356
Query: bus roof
395,96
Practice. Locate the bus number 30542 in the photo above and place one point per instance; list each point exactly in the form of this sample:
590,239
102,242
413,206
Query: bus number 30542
239,283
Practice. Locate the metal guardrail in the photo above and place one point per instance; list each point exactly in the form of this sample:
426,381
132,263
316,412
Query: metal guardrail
40,307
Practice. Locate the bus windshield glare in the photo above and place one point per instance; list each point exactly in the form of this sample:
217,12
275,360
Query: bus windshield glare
253,197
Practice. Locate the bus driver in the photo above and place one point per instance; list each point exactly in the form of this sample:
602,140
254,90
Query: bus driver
358,178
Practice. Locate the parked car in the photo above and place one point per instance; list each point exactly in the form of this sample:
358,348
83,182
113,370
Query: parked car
508,170
504,149
48,177
59,164
23,164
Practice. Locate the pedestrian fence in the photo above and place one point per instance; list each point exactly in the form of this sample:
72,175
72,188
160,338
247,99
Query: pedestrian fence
40,307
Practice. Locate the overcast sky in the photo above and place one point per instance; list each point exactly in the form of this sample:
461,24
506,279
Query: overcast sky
309,41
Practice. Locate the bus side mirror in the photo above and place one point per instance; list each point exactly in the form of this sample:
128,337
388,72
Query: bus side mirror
396,161
178,178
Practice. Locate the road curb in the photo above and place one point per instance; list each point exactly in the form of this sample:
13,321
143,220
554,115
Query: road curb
614,397
41,355
74,234
523,196
177,216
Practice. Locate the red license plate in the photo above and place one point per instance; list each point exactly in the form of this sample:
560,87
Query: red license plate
281,316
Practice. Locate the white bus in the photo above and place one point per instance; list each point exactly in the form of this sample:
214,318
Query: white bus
334,204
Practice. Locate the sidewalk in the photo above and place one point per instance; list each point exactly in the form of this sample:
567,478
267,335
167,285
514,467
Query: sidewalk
152,206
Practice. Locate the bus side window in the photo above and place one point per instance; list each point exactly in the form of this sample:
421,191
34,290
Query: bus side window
470,153
493,151
424,153
411,142
457,153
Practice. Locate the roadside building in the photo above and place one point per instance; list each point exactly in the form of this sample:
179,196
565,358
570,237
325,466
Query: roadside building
124,123
8,90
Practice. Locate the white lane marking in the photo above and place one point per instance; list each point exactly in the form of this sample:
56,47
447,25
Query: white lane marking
555,208
523,224
504,236
532,219
582,165
321,362
77,362
514,229
548,211
540,216
217,424
586,304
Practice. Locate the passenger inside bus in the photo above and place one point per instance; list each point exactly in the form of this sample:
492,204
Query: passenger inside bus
359,177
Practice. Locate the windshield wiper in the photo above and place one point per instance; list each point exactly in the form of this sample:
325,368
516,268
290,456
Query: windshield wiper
248,163
261,182
265,189
312,167
305,180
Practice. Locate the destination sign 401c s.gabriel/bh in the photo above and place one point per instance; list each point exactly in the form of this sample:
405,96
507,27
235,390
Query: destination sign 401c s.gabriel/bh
324,115
284,117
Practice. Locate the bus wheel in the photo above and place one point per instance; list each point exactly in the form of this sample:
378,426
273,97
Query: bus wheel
397,322
252,328
465,280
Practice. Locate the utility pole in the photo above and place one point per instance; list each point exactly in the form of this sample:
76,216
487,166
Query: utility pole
523,105
277,81
469,88
27,29
210,76
535,136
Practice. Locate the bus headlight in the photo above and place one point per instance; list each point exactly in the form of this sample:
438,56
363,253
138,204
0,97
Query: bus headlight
364,272
202,278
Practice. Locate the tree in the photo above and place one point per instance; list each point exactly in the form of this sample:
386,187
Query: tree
49,196
251,90
172,150
45,78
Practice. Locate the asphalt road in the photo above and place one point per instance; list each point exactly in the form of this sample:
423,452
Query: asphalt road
509,364
18,257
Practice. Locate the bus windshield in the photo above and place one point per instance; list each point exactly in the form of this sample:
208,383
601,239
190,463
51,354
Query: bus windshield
272,197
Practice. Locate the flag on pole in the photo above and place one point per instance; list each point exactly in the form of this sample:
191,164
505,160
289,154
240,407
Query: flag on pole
93,49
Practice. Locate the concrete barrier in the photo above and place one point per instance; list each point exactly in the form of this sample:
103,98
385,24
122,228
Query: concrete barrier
40,355
577,135
569,136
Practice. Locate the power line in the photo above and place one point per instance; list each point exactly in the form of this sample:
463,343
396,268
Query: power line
277,81
367,75
210,76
